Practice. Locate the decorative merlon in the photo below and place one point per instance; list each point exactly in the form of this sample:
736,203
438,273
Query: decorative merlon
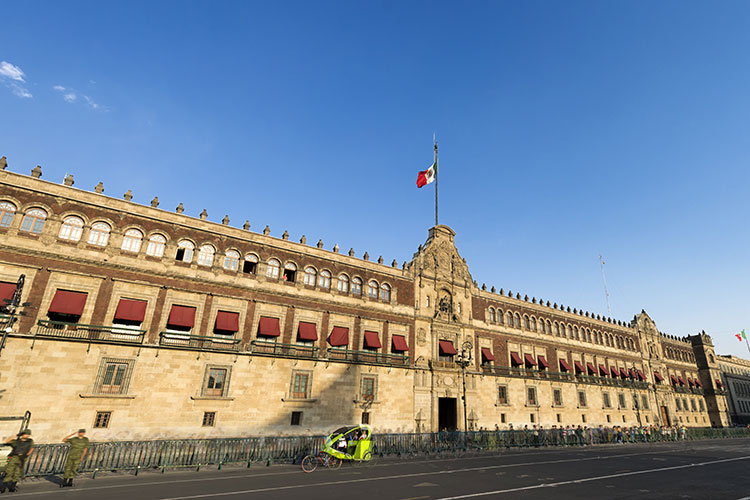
203,215
180,208
336,248
225,220
3,163
267,230
128,195
68,180
285,236
351,252
246,225
320,244
380,259
394,264
303,240
366,256
36,172
99,188
155,202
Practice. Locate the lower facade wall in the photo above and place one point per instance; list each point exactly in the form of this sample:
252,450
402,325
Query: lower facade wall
56,380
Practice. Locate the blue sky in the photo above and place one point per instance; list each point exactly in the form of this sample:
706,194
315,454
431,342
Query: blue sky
566,130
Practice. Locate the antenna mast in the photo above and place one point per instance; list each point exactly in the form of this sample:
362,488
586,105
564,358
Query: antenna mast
604,279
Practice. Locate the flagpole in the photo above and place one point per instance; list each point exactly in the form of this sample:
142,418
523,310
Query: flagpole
746,342
436,181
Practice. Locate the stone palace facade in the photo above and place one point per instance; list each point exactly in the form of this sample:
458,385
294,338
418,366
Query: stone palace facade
140,323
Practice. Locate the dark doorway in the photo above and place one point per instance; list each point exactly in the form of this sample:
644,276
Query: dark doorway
447,416
665,417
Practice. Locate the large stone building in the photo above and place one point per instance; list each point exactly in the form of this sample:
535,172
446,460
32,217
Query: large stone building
735,379
145,323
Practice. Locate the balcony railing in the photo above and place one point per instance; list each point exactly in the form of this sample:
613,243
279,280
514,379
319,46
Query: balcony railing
507,371
368,357
176,339
680,389
4,322
265,347
90,333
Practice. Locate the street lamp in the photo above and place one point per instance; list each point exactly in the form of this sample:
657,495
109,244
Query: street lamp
464,359
11,306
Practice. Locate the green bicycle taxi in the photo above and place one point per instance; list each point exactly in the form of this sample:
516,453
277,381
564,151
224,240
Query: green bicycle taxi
352,443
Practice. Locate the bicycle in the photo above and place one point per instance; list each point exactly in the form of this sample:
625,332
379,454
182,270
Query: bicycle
311,462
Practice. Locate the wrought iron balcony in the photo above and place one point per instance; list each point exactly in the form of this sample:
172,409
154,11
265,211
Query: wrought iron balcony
89,333
264,347
368,357
513,371
176,339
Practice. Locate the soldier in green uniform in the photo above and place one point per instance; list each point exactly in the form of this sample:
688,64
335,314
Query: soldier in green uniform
22,446
79,446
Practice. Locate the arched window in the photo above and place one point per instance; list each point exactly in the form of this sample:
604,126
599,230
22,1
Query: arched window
509,319
290,272
7,211
525,322
232,260
356,286
491,315
71,229
556,329
499,315
372,289
185,250
99,234
272,269
385,293
343,283
575,333
311,276
548,328
131,242
251,264
517,320
532,324
156,245
325,280
206,255
33,221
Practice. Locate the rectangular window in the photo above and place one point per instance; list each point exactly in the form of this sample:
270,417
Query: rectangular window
700,402
582,399
101,421
368,388
531,417
531,396
366,417
557,397
606,400
209,418
583,418
502,395
559,418
621,400
635,401
113,377
216,381
301,385
685,404
296,418
609,419
679,404
502,418
644,401
693,406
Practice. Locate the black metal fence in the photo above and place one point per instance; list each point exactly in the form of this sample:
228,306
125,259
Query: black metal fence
49,459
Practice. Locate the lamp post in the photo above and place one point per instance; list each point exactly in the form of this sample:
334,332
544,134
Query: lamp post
464,359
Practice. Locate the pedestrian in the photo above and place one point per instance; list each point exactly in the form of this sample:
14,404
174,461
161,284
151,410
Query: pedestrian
22,446
79,447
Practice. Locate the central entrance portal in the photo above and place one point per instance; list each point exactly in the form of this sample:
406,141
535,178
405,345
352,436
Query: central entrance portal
665,417
447,415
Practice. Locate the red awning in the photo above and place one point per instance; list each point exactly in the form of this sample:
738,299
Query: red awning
682,380
227,321
339,336
698,383
529,359
487,354
623,373
542,361
398,343
307,331
658,377
446,348
181,316
719,384
6,292
66,302
372,340
631,373
515,359
615,372
131,310
603,371
564,365
591,369
674,379
579,366
641,376
269,327
690,382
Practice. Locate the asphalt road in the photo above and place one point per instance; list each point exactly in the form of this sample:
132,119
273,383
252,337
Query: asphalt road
715,470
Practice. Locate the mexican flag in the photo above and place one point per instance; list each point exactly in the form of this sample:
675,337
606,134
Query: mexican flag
740,336
427,176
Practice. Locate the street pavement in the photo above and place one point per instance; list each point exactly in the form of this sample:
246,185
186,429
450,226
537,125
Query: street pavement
712,470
